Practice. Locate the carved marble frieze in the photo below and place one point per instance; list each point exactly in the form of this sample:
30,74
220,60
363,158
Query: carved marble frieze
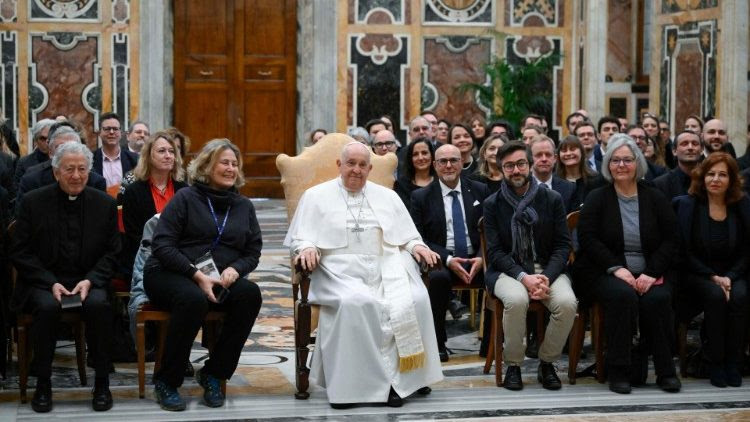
64,10
459,12
520,13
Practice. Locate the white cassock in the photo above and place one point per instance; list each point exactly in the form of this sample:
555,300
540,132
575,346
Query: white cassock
365,240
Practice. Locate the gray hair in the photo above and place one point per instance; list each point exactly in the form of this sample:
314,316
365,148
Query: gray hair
64,130
347,147
359,133
138,122
620,140
39,126
72,148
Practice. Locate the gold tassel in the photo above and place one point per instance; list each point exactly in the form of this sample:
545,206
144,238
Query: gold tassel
411,362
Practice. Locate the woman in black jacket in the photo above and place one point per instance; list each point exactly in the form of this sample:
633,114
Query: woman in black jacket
627,236
206,243
714,223
419,171
158,176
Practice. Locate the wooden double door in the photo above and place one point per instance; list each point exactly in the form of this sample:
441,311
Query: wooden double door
234,67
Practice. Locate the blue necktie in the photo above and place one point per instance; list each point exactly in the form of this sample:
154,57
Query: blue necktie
459,234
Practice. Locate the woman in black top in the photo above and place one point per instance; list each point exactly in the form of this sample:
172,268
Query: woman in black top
628,240
463,138
488,171
208,217
571,166
715,226
419,171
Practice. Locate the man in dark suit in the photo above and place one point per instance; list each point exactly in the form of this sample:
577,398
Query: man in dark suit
688,151
65,245
40,154
543,153
42,174
111,161
527,252
586,133
606,127
446,213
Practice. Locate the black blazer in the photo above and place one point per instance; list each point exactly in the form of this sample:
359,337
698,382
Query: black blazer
43,175
35,244
601,239
551,237
673,184
128,160
654,171
567,191
26,162
137,208
688,209
428,213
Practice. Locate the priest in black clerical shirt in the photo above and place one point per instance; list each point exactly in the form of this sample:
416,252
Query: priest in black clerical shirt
64,245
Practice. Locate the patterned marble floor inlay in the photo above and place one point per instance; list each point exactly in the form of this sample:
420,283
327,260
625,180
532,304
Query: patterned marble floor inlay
262,387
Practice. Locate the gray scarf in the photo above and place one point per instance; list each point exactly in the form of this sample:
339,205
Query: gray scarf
522,222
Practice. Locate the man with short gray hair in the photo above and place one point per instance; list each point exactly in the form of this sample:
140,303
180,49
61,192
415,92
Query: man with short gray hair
64,249
137,135
40,154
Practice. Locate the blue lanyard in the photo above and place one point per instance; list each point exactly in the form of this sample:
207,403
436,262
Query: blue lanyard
219,229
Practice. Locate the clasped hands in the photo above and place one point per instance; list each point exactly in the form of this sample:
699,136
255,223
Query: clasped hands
459,265
309,258
83,287
725,283
641,284
537,285
206,283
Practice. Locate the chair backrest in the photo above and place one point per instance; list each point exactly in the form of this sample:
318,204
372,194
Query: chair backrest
317,164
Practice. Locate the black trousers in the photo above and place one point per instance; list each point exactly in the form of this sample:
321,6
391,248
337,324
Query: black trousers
724,321
625,311
97,314
188,306
441,284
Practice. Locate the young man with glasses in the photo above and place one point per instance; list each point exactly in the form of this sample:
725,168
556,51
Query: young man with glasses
527,253
110,160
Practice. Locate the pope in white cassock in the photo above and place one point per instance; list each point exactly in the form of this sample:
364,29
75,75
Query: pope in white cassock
376,339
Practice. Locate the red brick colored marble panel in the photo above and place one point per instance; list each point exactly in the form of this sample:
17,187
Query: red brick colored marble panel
619,40
688,81
65,74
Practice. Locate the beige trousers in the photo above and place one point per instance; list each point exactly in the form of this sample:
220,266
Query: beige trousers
562,304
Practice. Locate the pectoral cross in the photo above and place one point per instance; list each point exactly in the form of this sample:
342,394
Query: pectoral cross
357,230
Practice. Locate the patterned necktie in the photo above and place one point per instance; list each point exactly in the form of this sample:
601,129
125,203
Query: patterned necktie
459,234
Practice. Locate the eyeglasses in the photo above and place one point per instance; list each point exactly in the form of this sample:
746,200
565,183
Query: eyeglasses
386,144
444,161
622,161
522,164
110,129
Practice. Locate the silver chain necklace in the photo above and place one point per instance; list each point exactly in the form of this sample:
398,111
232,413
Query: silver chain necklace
357,229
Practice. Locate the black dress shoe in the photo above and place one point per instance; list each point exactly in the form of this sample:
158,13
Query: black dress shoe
342,405
670,384
443,353
42,401
734,376
394,400
424,391
189,370
513,379
456,308
717,375
620,386
101,397
547,375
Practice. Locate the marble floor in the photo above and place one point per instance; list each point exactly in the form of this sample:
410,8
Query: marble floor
263,386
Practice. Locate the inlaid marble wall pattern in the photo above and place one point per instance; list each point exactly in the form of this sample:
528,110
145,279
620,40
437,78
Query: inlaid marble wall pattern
79,60
533,12
674,6
459,12
619,41
688,70
378,11
450,62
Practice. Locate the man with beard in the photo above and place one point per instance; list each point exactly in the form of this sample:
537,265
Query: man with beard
136,137
687,150
715,138
527,252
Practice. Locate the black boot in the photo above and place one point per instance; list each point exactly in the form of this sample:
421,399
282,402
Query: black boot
42,401
101,396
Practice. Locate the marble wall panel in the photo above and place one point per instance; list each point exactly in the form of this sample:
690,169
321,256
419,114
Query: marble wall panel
377,62
120,11
64,10
450,62
675,6
458,12
533,13
393,8
8,10
62,76
619,41
9,78
688,71
120,77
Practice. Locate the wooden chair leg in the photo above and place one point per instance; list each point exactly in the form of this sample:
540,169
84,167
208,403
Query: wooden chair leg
480,332
140,347
301,340
490,348
23,362
575,345
473,308
498,340
597,326
79,334
682,329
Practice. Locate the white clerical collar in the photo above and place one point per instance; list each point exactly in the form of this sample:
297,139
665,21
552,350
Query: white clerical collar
445,190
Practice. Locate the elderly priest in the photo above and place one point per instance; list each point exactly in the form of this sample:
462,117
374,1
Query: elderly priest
376,340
